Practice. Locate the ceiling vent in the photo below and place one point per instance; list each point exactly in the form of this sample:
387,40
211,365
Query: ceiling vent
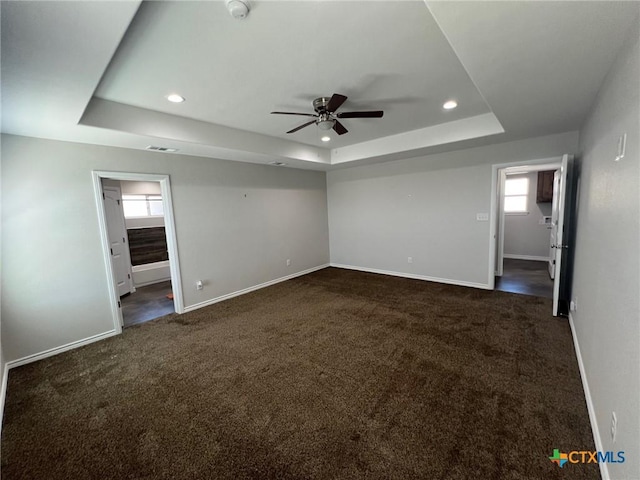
161,149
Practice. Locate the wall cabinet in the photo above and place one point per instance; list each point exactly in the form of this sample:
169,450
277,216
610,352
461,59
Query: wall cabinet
545,187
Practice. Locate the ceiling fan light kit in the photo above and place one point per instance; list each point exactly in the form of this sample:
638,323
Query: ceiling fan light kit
326,124
326,117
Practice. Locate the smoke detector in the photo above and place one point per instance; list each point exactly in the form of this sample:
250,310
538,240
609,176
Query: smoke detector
239,9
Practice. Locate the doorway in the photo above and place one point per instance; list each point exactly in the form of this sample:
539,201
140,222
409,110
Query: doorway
529,205
525,234
143,271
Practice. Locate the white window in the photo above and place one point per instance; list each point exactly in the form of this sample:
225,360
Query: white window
142,206
516,191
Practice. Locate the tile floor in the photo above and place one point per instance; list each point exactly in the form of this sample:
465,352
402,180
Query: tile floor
147,303
527,277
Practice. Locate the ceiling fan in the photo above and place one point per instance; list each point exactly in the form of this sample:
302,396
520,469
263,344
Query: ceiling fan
326,117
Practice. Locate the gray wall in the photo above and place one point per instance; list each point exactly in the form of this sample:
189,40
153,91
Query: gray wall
236,224
425,208
523,234
607,262
140,188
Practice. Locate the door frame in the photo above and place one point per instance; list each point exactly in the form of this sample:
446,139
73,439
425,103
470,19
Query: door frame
496,215
170,231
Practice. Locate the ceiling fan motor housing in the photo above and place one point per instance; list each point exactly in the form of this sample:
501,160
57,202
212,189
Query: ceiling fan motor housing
320,104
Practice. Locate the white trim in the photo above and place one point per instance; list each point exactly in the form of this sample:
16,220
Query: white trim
153,282
461,283
56,350
494,205
170,233
604,470
528,165
526,257
206,303
172,245
3,392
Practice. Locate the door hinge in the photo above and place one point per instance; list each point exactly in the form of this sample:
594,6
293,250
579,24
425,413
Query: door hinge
111,251
119,306
118,201
128,275
103,197
123,240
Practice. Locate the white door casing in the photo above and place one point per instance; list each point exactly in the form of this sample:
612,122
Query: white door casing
496,219
555,211
117,234
500,223
172,244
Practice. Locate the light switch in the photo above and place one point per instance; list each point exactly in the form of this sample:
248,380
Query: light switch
622,144
482,217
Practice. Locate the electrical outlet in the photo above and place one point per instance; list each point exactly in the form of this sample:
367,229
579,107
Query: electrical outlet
409,259
614,426
288,262
199,285
574,305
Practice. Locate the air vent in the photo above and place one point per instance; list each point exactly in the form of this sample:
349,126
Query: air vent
277,164
161,149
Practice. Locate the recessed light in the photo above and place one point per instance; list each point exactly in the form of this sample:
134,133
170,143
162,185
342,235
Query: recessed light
278,164
325,138
175,98
450,105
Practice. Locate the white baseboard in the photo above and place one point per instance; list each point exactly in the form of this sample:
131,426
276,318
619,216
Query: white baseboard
3,393
448,281
54,351
151,282
604,470
526,257
206,303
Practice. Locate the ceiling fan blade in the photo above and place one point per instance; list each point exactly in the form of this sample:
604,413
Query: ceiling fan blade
295,113
372,114
301,126
339,128
336,101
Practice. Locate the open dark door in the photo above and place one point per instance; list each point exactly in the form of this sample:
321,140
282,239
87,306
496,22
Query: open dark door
565,235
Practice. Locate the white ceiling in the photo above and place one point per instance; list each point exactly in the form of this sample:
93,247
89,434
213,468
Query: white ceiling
98,72
381,55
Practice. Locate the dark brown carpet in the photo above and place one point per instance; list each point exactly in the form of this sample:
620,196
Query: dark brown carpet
334,375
